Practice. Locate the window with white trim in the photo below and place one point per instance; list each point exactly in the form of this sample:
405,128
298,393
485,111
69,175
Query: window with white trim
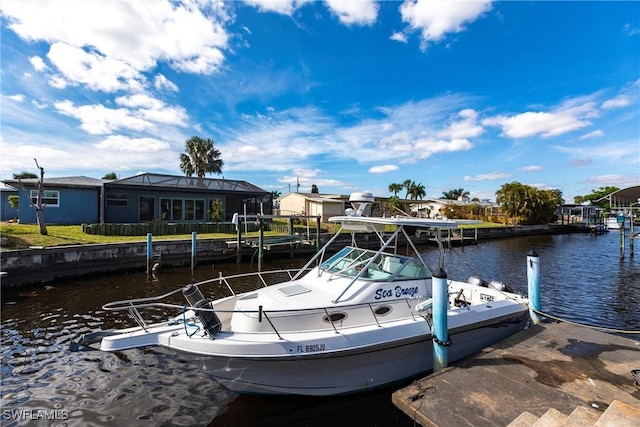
50,198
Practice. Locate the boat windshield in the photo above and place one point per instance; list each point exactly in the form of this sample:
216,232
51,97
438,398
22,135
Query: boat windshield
350,261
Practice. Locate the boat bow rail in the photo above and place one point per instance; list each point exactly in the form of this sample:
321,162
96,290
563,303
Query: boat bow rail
333,318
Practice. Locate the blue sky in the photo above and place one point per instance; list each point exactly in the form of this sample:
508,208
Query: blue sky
350,96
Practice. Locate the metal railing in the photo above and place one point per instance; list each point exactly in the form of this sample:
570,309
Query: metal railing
136,305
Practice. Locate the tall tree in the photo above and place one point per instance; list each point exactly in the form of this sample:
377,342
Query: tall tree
596,195
24,175
455,194
314,189
200,157
416,191
395,188
528,205
407,186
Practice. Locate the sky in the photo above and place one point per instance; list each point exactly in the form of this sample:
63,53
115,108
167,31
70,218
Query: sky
349,96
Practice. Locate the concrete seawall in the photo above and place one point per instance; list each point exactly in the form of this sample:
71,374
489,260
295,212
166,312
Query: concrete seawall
41,265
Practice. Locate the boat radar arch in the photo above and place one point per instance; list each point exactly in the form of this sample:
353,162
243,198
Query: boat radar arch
359,201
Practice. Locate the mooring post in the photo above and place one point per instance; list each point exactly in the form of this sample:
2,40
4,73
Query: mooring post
260,223
239,241
149,252
193,250
441,340
631,236
533,281
622,240
318,234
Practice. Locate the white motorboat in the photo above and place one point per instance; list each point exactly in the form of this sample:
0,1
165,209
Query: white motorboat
346,322
612,221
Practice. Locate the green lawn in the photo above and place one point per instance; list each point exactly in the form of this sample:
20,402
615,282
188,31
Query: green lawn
21,236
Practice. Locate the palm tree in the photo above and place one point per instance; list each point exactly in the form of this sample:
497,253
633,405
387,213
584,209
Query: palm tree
416,191
455,194
407,185
200,157
395,188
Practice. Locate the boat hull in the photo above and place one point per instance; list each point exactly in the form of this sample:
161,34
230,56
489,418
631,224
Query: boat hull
355,370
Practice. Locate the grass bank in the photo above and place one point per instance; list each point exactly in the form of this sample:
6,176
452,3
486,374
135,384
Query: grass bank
22,236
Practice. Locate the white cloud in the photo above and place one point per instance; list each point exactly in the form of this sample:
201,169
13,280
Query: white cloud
435,19
492,176
136,145
546,124
160,82
16,98
467,127
38,63
284,7
93,70
622,151
531,168
98,119
383,169
189,36
399,37
595,134
617,102
360,12
620,181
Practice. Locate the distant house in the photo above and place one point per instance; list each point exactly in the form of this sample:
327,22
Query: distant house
6,211
322,205
141,198
312,204
435,208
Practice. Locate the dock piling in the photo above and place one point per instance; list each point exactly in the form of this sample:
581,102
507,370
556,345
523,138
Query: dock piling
193,250
149,252
441,340
533,282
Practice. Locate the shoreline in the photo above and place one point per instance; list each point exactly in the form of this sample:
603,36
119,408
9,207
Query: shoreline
41,265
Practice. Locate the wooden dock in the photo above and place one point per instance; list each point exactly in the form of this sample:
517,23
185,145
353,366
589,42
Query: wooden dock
551,366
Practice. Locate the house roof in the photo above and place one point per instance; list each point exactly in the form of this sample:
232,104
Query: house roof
626,196
185,182
65,181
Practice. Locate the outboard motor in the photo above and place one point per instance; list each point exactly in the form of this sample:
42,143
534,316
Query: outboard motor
209,319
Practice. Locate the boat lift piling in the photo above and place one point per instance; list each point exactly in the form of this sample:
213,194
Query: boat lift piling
533,282
260,225
441,341
193,250
149,252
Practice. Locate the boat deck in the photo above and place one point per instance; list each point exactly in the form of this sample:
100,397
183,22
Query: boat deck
551,365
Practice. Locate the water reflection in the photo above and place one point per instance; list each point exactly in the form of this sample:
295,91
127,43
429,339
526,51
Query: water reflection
582,279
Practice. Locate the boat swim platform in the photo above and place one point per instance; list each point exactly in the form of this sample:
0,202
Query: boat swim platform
547,367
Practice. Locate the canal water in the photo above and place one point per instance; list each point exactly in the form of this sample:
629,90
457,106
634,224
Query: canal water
583,279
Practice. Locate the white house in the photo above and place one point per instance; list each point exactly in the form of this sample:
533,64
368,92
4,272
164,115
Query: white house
311,204
435,208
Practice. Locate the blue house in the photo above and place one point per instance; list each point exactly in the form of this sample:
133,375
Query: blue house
68,200
141,198
7,212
